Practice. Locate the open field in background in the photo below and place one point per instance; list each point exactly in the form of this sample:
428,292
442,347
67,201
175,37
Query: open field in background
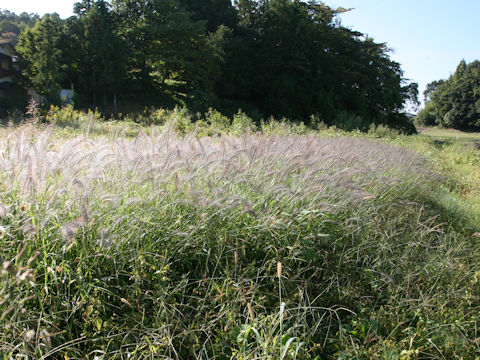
143,242
450,134
454,154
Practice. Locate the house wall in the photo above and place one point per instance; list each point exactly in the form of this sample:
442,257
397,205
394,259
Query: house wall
12,95
4,51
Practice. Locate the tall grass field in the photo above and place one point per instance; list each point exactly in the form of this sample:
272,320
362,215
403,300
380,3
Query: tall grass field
244,244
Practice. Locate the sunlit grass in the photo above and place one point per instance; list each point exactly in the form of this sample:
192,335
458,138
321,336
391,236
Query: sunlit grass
451,134
176,245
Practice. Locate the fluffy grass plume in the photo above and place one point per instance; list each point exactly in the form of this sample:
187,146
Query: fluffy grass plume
271,247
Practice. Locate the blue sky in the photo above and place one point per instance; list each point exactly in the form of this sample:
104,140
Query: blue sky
428,37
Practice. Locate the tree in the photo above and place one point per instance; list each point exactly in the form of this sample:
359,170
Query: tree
214,12
291,58
11,25
96,56
41,56
278,61
431,88
455,102
165,44
411,96
286,58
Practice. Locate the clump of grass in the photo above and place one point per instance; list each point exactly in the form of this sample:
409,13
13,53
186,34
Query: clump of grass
458,161
188,247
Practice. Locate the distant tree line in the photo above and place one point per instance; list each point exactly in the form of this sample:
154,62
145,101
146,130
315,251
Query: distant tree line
455,102
282,58
11,25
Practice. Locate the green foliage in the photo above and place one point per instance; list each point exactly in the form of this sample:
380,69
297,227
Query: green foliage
180,121
454,103
283,58
215,13
95,55
291,60
383,131
241,123
154,117
283,127
68,116
349,122
427,116
431,88
165,43
11,25
41,56
218,121
210,123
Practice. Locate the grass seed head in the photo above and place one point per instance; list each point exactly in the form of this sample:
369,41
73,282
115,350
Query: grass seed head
250,311
6,267
167,192
29,335
28,229
3,211
69,230
24,206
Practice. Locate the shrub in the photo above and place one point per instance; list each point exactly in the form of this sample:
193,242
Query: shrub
218,122
67,116
383,131
348,122
427,116
241,122
180,121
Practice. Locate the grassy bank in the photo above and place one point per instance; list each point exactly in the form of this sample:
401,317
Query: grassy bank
277,244
455,155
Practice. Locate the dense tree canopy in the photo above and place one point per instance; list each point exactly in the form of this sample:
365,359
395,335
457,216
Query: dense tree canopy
286,58
11,25
291,59
41,53
96,53
454,102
